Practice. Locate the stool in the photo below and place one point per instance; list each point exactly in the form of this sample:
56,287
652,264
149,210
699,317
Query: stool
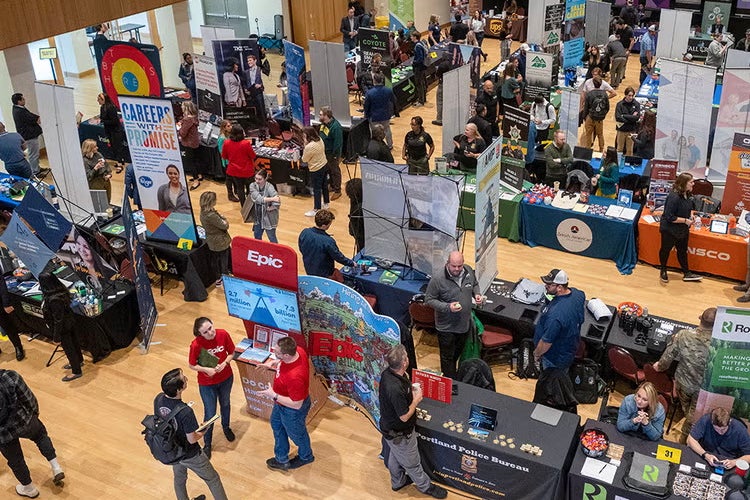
496,341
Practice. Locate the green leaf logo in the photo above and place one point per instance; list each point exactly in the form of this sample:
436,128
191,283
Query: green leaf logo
650,473
594,492
727,327
538,62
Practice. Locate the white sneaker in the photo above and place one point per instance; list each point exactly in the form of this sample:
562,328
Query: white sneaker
27,491
325,206
311,213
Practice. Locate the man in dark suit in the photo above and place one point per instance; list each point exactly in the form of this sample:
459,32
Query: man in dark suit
349,27
254,86
28,125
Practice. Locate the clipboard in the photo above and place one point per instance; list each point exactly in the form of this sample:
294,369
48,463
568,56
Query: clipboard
205,425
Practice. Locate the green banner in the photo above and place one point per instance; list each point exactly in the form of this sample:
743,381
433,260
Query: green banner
401,12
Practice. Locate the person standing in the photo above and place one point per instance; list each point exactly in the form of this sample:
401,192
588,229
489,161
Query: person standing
618,58
224,130
267,203
333,140
744,44
715,51
543,115
187,75
480,121
675,227
434,31
558,157
629,14
398,406
173,384
59,318
240,156
488,97
12,153
418,148
648,52
217,235
689,348
609,174
98,173
596,108
443,67
380,105
458,30
419,66
377,149
318,248
477,24
627,115
349,27
28,125
353,190
114,130
19,418
214,382
626,36
254,87
7,323
450,294
190,142
290,393
314,154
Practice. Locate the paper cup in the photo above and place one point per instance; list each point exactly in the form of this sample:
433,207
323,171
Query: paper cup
557,185
416,386
741,467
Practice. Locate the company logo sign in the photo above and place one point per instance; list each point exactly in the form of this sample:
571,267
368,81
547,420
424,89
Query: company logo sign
553,38
732,327
264,260
710,254
495,26
650,473
145,181
574,235
469,464
594,492
538,62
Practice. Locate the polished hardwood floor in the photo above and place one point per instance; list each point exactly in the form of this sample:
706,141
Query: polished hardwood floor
94,421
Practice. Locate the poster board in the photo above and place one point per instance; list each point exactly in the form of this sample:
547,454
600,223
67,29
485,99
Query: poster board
486,214
297,84
711,10
328,70
663,175
570,105
207,88
128,69
733,116
737,189
231,66
673,36
574,33
540,74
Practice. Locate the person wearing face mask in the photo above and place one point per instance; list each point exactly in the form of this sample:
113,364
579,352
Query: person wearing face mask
720,439
641,413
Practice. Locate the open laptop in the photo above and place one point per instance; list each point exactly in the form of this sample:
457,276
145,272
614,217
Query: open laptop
581,153
633,161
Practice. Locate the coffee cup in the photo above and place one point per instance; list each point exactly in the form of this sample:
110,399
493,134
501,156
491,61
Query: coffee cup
741,467
416,386
557,185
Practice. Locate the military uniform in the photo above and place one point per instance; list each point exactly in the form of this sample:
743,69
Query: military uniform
690,349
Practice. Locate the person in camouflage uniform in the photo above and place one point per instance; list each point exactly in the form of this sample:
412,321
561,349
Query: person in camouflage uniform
690,349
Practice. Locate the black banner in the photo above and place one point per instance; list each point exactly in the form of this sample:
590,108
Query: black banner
515,132
373,42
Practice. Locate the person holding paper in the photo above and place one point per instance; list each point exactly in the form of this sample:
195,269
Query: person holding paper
98,172
642,414
210,353
720,439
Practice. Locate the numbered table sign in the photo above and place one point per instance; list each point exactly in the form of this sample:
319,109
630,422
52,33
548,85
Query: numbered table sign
669,454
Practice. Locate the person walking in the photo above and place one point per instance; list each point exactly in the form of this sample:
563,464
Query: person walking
267,203
675,227
217,235
314,154
333,139
240,156
627,115
224,130
28,125
380,105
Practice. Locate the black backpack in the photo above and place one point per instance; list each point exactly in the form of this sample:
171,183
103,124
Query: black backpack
162,437
526,365
585,377
597,102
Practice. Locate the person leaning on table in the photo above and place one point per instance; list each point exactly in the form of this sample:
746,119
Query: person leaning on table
642,414
720,439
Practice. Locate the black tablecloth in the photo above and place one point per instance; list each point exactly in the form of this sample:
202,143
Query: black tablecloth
115,328
284,171
491,470
644,352
577,483
193,267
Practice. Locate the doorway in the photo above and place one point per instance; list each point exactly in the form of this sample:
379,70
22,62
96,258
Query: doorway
229,13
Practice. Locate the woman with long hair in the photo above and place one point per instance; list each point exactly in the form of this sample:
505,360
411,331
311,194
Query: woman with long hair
97,171
595,59
433,30
675,227
314,155
267,202
609,174
224,130
217,235
642,414
113,129
60,319
240,157
353,190
214,378
468,146
190,141
643,141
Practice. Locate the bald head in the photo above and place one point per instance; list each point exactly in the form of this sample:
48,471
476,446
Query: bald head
455,263
488,86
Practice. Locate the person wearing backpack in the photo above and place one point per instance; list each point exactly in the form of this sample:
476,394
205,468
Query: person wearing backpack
168,405
544,116
596,108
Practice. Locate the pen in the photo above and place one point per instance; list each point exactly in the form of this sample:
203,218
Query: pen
602,469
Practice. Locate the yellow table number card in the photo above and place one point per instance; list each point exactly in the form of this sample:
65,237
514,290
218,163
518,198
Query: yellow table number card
668,453
185,244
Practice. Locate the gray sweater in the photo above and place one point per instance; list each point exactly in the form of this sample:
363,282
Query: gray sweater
444,289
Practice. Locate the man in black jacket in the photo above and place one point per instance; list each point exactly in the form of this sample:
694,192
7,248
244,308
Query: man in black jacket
488,97
7,323
483,126
28,125
348,28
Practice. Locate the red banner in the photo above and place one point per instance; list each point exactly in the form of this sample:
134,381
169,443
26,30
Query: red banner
433,386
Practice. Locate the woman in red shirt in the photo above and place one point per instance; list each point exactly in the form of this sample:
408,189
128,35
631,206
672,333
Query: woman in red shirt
213,383
241,157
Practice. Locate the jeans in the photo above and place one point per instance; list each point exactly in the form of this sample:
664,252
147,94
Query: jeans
203,468
32,148
320,187
258,233
13,453
403,459
350,44
220,262
288,423
668,241
451,346
209,394
8,326
22,169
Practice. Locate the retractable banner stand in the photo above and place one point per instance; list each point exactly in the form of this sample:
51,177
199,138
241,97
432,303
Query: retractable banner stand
22,242
128,69
329,79
211,33
143,293
539,74
486,214
737,58
537,15
553,20
231,64
673,37
456,104
685,103
64,149
46,221
733,116
570,107
298,88
726,381
663,175
207,88
90,267
373,42
597,22
348,341
737,189
573,33
154,148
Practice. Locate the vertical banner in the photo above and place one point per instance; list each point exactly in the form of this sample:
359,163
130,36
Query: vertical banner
673,36
597,22
297,85
348,341
328,70
154,148
686,93
486,214
22,242
573,35
712,10
539,74
207,88
231,64
515,132
570,107
737,189
143,293
128,69
46,221
211,33
663,175
733,116
456,104
553,21
373,42
401,11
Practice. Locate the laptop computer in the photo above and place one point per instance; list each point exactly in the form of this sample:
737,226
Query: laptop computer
633,161
581,153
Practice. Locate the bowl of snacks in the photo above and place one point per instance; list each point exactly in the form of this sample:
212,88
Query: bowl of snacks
594,442
629,308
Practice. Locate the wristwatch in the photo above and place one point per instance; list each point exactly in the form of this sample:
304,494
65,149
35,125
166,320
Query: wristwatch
275,397
703,455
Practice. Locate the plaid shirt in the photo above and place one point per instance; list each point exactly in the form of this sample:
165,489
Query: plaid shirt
17,405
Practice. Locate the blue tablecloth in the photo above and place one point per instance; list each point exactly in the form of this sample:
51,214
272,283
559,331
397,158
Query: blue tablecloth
393,300
596,164
582,233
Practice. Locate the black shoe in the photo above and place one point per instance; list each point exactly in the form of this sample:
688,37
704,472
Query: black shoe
663,277
229,434
688,276
274,464
71,377
20,354
741,288
744,298
207,451
233,198
406,483
297,462
436,491
200,497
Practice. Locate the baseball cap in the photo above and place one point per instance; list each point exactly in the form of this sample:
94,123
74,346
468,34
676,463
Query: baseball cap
687,56
525,47
556,276
652,27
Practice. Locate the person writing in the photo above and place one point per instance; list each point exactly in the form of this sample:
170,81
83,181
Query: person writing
642,414
720,439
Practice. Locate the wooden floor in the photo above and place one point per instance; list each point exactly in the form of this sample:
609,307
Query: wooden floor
94,421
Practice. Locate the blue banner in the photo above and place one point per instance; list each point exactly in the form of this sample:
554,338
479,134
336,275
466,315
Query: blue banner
27,247
573,52
143,293
299,90
48,223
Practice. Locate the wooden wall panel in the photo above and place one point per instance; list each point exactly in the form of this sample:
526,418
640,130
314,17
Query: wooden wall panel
317,19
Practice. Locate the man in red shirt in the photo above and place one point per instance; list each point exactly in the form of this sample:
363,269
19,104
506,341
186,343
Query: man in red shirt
291,395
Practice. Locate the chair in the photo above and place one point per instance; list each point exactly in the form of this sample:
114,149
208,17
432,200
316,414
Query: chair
582,351
665,404
159,266
422,317
622,363
703,187
664,386
495,342
352,83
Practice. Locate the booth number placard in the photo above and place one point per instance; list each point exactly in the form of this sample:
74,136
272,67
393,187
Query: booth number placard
48,53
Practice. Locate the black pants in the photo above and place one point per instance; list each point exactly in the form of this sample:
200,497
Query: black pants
241,187
69,343
11,330
13,453
334,172
669,241
118,150
221,262
451,346
420,83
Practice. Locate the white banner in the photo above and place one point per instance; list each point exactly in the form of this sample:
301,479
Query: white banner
686,94
486,214
597,22
673,37
211,33
456,104
329,79
737,59
568,118
733,116
207,87
538,74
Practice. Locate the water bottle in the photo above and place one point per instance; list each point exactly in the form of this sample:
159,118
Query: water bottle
698,224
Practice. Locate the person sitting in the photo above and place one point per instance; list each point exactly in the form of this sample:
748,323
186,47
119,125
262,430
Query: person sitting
642,414
468,147
377,149
609,175
720,439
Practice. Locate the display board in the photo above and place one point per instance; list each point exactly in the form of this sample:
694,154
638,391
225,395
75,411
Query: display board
597,22
297,85
486,214
540,74
553,21
329,79
543,18
733,116
685,102
573,33
663,175
348,341
456,104
712,10
737,189
673,36
570,106
128,69
49,225
211,33
207,88
83,259
154,148
231,66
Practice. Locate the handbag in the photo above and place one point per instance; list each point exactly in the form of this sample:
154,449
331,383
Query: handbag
248,210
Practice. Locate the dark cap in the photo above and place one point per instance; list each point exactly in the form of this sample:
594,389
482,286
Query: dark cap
556,276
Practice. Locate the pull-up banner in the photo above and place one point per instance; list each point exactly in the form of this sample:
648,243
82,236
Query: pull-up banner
486,214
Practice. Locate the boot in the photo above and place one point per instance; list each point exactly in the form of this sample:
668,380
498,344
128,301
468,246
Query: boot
20,354
741,288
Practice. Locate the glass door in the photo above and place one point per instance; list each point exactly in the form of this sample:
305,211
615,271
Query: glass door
229,13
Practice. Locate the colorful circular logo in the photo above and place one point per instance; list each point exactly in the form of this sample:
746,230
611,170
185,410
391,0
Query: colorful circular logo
126,70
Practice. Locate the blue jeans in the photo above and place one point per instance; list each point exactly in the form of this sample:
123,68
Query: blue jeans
288,423
209,395
258,233
320,187
22,169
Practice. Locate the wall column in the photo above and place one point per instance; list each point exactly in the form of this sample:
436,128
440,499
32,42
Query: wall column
181,14
21,73
171,55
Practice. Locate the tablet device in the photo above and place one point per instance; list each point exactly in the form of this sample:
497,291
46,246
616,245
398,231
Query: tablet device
719,226
481,417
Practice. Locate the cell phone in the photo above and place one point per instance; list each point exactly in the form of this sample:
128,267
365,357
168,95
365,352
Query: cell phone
719,469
